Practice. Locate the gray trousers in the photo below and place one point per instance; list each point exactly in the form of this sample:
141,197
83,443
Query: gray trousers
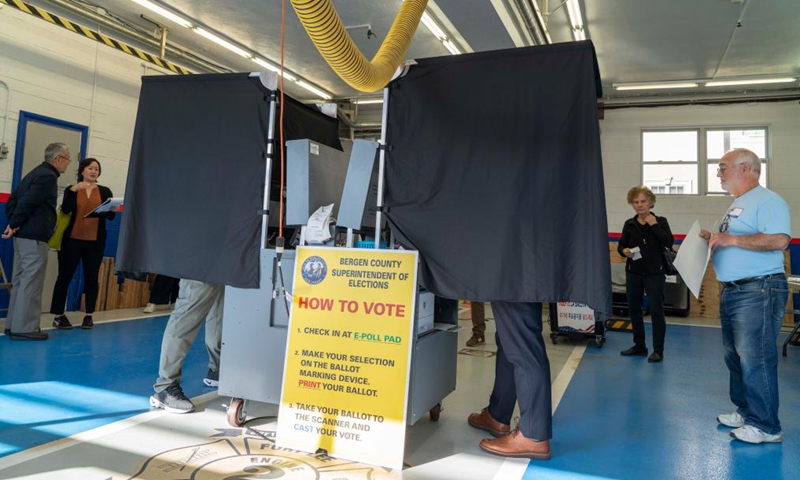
197,302
25,308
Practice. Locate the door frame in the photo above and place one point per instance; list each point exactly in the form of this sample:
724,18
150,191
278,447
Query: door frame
22,130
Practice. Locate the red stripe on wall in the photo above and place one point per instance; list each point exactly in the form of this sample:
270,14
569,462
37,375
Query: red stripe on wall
614,237
5,196
611,235
680,237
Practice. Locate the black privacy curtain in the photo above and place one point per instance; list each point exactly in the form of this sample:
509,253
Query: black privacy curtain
494,173
195,184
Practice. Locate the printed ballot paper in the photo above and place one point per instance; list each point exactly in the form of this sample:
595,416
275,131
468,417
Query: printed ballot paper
110,205
692,259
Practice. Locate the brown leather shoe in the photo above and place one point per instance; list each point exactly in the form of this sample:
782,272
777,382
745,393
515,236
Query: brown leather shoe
516,445
485,421
476,340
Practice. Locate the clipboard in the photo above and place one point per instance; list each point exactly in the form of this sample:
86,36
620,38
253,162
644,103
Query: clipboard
110,205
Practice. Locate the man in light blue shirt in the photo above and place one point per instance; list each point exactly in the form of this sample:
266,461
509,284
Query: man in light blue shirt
748,260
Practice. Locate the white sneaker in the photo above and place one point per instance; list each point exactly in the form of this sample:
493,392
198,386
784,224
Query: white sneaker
150,308
733,420
751,434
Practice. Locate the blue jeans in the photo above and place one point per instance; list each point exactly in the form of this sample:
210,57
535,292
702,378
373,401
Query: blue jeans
751,316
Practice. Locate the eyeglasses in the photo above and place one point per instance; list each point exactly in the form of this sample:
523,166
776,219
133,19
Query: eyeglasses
723,167
65,158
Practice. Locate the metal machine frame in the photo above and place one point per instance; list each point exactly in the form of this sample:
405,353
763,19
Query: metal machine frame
254,335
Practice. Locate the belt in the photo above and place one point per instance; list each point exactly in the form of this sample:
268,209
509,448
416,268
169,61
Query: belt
743,281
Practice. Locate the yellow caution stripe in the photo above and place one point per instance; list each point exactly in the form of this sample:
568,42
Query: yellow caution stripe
93,35
618,325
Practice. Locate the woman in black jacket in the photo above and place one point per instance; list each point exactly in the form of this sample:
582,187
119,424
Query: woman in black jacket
644,238
84,240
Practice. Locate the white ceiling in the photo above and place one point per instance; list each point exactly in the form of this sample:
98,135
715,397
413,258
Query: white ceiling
635,40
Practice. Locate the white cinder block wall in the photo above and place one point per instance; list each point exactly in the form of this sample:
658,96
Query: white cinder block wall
53,72
621,144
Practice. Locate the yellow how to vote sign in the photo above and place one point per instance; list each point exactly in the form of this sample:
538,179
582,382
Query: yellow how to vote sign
348,356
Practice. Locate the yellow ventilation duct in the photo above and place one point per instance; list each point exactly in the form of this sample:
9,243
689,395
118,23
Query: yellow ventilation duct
323,25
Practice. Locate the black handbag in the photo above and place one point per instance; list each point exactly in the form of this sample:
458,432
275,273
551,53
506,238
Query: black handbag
669,257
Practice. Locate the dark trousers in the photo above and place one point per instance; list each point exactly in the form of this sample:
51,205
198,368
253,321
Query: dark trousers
522,369
636,286
165,290
90,254
478,312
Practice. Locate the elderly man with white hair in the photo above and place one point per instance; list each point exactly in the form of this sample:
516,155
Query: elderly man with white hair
31,211
748,260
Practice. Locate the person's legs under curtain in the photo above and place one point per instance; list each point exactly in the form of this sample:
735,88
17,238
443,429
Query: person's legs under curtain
519,329
496,418
194,303
478,316
214,336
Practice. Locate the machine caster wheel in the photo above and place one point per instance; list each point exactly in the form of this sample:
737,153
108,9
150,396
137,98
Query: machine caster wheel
435,411
554,338
599,340
236,413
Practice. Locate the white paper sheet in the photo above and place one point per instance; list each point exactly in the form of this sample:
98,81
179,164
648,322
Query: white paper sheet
110,205
318,229
692,259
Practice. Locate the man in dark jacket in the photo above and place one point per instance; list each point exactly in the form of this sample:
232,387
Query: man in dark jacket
31,212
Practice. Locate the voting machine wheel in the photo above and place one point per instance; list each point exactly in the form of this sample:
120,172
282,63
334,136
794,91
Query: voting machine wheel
554,338
236,413
435,412
599,340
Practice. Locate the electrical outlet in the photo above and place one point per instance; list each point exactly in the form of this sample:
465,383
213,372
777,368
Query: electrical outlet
3,151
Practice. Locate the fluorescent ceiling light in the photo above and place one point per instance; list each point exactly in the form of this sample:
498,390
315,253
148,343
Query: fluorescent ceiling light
653,86
752,81
435,30
451,47
164,13
574,13
273,68
223,43
230,46
315,90
546,31
368,101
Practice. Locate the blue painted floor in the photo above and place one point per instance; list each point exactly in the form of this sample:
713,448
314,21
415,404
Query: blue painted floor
104,375
620,418
623,418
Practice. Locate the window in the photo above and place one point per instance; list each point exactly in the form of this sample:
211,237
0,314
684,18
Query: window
670,161
684,161
720,141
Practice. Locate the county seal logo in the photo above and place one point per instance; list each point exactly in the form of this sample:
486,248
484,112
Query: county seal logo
314,270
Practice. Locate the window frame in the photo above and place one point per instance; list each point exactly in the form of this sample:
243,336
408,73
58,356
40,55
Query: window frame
703,160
